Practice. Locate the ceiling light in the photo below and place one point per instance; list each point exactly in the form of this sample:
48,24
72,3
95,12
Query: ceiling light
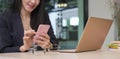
62,4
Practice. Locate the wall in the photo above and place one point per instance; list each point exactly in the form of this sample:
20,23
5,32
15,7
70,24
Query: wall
100,8
70,13
53,16
81,17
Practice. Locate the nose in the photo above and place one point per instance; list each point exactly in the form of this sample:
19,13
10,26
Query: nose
33,1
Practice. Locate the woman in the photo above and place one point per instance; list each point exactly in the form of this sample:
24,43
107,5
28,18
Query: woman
19,25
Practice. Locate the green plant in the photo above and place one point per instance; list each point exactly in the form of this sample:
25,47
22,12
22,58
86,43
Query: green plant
115,7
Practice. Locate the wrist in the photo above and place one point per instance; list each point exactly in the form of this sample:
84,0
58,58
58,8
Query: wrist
23,48
51,46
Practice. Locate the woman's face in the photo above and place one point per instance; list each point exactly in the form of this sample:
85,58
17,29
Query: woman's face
30,5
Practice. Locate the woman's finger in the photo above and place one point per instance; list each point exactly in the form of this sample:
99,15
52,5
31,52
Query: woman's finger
44,37
39,42
30,33
26,38
37,37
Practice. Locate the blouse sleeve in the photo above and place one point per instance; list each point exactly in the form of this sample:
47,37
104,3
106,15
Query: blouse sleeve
5,38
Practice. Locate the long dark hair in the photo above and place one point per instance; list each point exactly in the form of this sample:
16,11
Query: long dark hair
37,16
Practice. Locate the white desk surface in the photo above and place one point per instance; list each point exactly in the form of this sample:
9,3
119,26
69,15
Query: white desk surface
100,54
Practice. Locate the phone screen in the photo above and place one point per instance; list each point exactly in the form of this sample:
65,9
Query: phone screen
43,28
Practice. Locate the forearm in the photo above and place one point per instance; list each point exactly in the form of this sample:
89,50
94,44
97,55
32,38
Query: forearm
14,49
10,49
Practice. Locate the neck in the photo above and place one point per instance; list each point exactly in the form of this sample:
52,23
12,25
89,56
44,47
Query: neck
25,14
25,17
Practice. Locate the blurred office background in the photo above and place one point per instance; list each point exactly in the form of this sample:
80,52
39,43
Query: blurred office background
68,18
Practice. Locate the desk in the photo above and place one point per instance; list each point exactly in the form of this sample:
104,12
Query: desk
100,54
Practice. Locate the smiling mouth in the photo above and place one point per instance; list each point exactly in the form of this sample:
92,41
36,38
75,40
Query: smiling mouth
30,5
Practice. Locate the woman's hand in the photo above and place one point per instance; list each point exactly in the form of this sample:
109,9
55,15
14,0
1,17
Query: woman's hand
27,40
42,40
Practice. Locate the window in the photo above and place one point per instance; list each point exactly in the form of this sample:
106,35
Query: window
74,21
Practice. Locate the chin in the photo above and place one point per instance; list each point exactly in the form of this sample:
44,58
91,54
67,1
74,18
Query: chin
29,10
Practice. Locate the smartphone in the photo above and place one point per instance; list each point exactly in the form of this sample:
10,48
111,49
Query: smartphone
43,28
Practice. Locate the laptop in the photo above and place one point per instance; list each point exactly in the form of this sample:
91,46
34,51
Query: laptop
93,35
